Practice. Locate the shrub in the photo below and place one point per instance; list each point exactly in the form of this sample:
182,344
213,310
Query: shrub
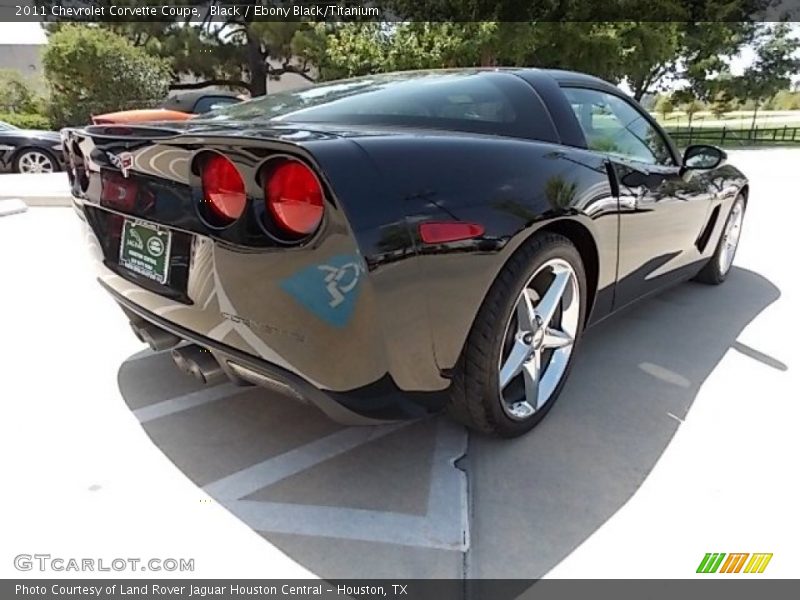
26,120
721,105
786,100
16,96
664,105
92,70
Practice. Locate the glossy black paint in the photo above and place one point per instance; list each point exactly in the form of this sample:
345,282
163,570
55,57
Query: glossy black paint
13,141
638,228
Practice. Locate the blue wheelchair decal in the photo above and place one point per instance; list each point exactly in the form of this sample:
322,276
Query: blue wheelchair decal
329,290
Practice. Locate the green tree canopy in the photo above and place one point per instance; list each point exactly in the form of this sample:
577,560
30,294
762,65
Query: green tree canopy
772,70
238,52
91,70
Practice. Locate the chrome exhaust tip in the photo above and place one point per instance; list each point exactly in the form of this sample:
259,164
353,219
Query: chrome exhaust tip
199,363
155,337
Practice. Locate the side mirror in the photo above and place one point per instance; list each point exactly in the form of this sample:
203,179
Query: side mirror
703,156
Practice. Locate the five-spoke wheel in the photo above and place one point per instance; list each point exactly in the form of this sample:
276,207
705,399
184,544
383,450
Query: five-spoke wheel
716,270
730,237
539,338
520,348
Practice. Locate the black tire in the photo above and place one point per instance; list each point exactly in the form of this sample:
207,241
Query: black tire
474,397
15,164
712,273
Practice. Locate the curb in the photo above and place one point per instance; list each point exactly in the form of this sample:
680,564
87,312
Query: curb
46,189
46,201
12,206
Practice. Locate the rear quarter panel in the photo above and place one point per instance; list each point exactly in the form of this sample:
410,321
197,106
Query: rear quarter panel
513,187
271,302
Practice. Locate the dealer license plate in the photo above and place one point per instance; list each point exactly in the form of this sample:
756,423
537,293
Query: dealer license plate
145,250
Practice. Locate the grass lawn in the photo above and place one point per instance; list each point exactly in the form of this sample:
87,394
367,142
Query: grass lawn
731,120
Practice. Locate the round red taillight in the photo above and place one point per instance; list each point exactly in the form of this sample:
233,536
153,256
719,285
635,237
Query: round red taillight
294,197
223,189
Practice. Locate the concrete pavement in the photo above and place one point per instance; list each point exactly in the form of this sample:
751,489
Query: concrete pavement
675,436
47,189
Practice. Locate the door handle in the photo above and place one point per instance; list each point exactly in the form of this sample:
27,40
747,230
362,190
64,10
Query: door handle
628,202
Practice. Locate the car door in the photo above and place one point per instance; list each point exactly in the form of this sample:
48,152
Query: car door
7,145
663,210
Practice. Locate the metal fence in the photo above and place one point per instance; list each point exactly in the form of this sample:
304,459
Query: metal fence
725,136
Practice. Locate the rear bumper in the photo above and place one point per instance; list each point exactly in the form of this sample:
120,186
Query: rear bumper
372,404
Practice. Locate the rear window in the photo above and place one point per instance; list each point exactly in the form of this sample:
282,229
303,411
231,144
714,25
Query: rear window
461,101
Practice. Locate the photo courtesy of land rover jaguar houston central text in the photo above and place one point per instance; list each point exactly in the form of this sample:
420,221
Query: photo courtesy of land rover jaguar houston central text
400,244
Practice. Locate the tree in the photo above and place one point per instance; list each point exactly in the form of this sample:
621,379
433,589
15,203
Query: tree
786,100
92,70
237,53
359,48
675,39
721,105
692,107
643,54
773,67
664,105
16,95
353,49
647,53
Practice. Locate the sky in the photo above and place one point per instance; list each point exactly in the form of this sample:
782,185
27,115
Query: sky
21,33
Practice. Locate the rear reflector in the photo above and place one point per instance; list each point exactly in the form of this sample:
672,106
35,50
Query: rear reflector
450,231
223,190
294,197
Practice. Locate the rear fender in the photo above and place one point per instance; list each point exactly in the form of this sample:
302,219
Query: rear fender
512,188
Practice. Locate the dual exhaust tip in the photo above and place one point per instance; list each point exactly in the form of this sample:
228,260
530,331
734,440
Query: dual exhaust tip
192,359
198,362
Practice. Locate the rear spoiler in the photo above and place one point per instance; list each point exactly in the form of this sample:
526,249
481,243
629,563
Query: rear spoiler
135,132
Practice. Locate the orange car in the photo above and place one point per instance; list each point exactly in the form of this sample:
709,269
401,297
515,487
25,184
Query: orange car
175,108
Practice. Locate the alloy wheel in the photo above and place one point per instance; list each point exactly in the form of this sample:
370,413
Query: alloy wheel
539,338
35,162
730,237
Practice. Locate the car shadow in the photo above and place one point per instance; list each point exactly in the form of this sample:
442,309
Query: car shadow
390,501
536,498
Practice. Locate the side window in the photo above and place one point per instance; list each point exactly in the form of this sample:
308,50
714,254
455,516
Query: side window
614,126
209,103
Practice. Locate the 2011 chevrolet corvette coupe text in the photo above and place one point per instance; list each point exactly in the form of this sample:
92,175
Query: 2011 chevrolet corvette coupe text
390,246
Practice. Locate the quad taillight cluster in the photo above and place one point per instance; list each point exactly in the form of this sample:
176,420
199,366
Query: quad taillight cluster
292,194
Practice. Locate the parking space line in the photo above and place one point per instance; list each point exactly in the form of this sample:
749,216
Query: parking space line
185,402
444,527
272,470
345,523
449,483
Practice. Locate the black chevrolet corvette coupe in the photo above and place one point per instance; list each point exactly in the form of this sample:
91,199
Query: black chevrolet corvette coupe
389,246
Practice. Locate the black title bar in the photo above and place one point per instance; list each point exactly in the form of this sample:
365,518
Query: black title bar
400,10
